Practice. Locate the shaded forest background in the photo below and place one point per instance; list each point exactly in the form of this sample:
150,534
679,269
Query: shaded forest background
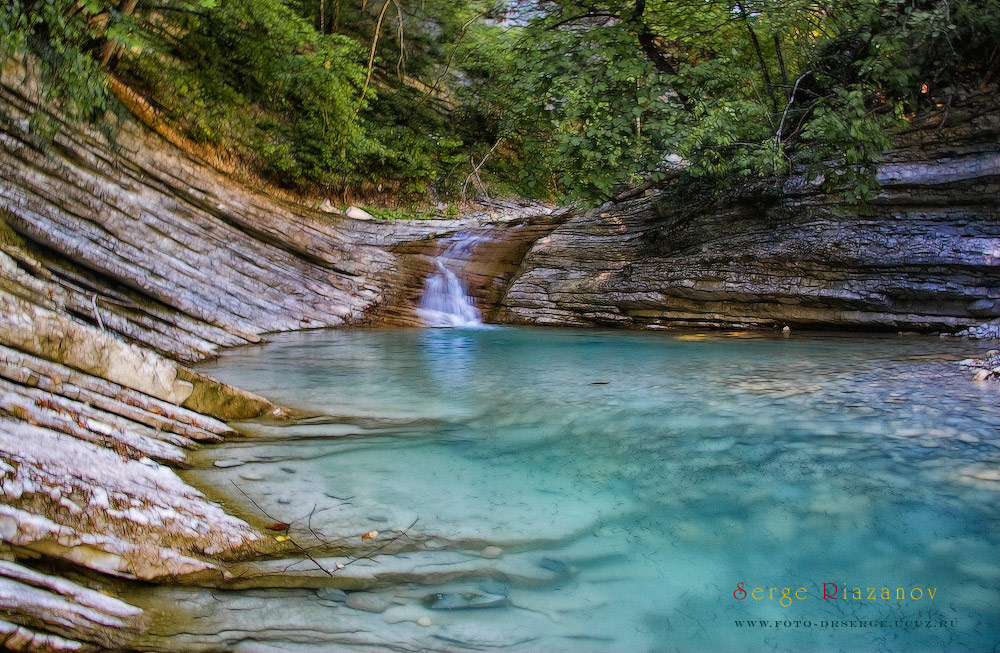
441,100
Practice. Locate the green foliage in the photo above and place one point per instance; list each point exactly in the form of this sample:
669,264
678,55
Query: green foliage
402,214
257,78
591,108
60,37
570,99
600,92
263,80
423,53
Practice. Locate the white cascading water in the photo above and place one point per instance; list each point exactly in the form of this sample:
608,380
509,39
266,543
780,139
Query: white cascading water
446,301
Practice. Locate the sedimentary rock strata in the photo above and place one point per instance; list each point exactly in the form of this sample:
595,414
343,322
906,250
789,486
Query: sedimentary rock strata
123,259
119,258
924,256
76,618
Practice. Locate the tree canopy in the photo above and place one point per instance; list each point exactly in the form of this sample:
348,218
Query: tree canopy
544,98
602,93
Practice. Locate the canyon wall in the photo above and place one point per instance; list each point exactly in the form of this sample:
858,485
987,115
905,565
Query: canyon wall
924,256
122,259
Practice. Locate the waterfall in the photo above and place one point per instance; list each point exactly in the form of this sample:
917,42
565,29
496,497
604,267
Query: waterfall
446,301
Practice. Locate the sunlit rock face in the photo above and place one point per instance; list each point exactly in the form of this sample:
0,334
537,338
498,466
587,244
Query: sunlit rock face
926,256
77,618
167,251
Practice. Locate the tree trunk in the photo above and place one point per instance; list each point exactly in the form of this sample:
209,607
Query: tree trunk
647,41
760,58
110,48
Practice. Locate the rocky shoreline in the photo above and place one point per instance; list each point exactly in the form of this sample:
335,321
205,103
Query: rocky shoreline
984,368
120,263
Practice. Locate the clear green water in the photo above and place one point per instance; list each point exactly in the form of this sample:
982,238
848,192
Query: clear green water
632,480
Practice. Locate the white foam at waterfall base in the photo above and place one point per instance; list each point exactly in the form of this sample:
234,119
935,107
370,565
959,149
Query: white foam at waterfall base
446,302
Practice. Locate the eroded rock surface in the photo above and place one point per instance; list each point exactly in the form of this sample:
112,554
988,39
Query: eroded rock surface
90,505
984,368
76,618
119,259
927,257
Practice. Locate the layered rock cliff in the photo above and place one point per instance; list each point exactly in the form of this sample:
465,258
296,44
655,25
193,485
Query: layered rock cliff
925,255
121,260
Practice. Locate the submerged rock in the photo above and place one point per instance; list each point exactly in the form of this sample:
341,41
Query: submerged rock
367,601
493,587
554,565
987,367
332,594
465,600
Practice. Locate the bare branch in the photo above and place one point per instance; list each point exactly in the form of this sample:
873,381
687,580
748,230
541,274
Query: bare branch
371,56
324,543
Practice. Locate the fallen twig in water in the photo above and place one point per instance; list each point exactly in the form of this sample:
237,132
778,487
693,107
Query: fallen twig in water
323,541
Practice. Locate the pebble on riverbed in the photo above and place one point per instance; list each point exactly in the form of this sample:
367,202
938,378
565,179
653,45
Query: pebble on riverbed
553,565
